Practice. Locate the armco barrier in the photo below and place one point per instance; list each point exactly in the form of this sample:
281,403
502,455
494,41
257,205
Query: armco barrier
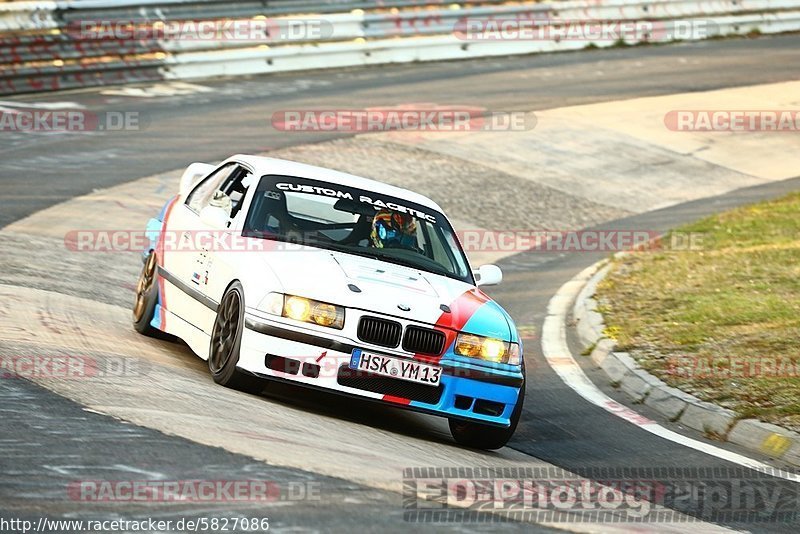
144,10
435,48
68,44
443,20
21,16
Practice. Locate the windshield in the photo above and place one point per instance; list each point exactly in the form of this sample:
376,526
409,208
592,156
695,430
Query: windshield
355,221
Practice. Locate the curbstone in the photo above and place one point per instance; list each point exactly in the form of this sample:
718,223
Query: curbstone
770,439
674,404
639,383
589,322
614,368
707,417
595,329
585,295
586,334
793,454
626,360
635,386
652,380
668,401
601,351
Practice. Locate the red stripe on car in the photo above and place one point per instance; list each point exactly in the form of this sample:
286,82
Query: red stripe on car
160,259
396,400
461,310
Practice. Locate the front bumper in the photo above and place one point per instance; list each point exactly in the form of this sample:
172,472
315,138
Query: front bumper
469,392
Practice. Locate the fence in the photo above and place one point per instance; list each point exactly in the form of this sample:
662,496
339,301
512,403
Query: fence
54,45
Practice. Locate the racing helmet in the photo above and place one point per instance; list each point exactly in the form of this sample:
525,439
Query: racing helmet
391,229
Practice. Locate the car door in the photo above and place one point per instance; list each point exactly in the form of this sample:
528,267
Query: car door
217,265
188,243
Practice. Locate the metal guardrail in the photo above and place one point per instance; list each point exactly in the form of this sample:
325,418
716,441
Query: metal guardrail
21,16
144,11
51,45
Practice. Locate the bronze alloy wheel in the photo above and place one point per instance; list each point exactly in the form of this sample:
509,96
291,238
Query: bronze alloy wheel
143,287
226,343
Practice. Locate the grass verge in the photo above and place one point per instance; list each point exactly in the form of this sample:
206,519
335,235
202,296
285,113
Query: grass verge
721,322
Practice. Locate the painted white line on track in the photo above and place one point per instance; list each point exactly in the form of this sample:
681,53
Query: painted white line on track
558,356
53,106
159,90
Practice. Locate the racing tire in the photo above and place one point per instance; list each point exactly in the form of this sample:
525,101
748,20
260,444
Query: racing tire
144,307
481,436
226,342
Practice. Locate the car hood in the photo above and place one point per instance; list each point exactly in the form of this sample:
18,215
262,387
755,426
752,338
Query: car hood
380,287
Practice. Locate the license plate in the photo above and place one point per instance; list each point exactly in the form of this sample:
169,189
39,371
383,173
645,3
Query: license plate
409,370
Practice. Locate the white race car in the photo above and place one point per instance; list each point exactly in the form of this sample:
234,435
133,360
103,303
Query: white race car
275,270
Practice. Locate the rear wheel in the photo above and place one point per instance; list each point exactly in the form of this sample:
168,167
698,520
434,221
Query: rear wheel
480,436
226,342
146,298
144,307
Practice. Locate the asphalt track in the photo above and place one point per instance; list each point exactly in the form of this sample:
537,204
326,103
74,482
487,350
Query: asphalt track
38,171
557,426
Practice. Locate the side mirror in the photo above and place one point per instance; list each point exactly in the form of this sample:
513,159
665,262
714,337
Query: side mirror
214,217
191,175
488,275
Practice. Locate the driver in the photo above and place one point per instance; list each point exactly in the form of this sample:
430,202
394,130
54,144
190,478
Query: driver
221,200
391,229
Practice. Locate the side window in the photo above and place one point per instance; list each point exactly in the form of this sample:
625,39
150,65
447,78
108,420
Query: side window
235,187
199,198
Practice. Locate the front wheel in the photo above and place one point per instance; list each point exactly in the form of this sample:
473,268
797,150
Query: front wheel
226,342
480,436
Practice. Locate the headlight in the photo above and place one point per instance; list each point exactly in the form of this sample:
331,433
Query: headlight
305,310
486,348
